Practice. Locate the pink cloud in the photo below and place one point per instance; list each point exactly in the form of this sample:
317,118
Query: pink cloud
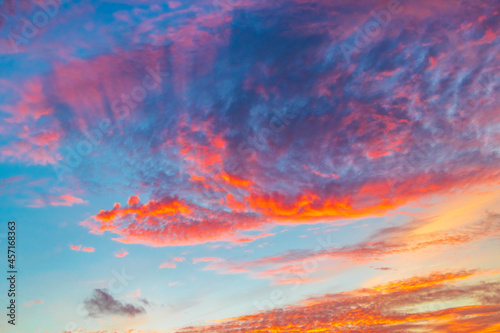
27,152
171,263
167,220
174,4
80,248
67,200
168,264
206,259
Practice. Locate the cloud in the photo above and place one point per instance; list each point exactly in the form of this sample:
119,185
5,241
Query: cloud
436,302
383,268
80,248
292,132
205,259
168,264
67,200
56,200
102,303
120,254
266,148
31,144
173,222
172,263
378,246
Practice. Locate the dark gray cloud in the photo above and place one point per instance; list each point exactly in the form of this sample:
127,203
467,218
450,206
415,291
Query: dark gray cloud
102,303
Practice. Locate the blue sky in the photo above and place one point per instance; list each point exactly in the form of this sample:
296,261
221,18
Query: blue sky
293,166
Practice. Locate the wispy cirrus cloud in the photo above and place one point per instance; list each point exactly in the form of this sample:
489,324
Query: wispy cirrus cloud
205,259
378,246
56,200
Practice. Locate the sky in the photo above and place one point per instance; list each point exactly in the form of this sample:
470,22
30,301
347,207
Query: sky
251,166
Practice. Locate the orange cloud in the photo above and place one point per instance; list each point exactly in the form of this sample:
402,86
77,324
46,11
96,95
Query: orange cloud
379,309
173,221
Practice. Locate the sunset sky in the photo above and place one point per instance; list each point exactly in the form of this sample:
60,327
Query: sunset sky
251,166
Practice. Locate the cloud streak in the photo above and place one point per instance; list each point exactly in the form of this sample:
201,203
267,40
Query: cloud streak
378,246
